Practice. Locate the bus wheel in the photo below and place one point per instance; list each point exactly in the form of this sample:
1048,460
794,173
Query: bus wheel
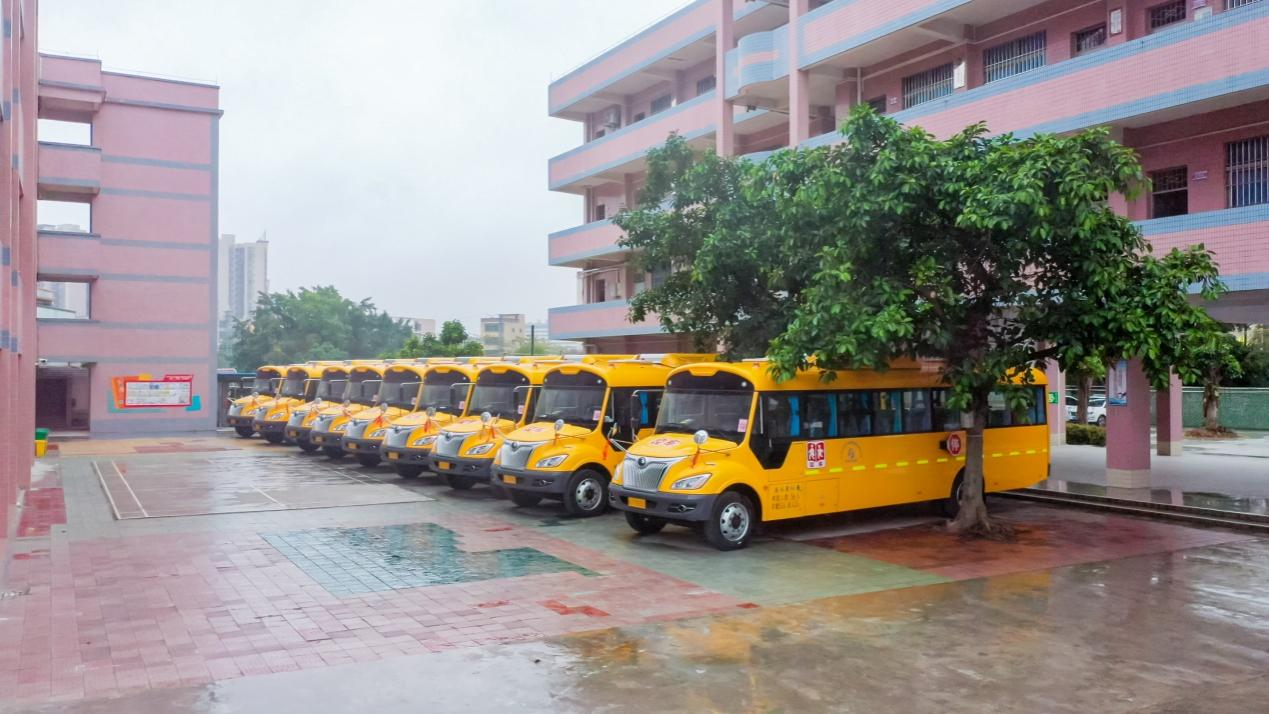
244,431
731,522
407,471
308,446
334,452
643,524
459,483
273,438
586,494
525,500
368,460
952,504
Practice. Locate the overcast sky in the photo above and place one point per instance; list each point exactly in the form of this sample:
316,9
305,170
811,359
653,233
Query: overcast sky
394,148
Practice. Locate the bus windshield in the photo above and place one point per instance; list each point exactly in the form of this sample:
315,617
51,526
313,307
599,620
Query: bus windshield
438,396
497,399
294,386
579,406
266,386
332,390
398,394
721,414
363,392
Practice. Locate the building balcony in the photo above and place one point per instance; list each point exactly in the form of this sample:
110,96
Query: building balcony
756,63
586,245
601,319
69,171
68,254
1192,68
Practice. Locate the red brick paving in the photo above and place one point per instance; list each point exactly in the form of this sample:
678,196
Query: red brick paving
1047,538
107,616
43,508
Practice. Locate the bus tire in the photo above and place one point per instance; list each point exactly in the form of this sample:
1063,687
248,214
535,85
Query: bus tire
308,446
368,460
408,471
586,494
525,500
459,483
644,524
244,431
952,504
273,438
333,452
731,522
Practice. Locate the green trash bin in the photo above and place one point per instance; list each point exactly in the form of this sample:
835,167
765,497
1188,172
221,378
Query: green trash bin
41,434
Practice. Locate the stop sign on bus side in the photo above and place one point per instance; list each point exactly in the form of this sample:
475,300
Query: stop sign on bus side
955,445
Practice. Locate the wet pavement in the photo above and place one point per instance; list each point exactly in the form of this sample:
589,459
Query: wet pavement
453,601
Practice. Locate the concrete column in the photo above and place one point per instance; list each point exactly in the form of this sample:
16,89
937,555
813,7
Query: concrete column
1128,434
1056,413
1168,429
725,132
799,81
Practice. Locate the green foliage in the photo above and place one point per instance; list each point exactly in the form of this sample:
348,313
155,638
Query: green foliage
313,323
1090,434
453,342
1253,362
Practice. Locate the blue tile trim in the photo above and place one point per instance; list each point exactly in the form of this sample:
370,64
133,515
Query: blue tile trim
618,162
645,122
72,85
4,339
76,235
578,229
6,255
7,109
1207,219
64,181
614,332
13,344
116,325
589,307
14,278
1246,281
8,29
165,105
64,146
138,193
159,163
586,254
202,359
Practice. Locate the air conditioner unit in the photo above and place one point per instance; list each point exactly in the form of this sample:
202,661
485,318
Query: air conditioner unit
611,118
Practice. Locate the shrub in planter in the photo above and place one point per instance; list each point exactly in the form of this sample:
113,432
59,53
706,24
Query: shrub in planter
1090,434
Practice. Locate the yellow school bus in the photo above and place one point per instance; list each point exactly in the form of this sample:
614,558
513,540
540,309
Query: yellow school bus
407,444
242,411
331,384
398,396
734,448
501,400
299,386
360,394
584,419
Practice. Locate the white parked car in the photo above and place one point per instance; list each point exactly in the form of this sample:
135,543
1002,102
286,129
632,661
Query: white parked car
1096,409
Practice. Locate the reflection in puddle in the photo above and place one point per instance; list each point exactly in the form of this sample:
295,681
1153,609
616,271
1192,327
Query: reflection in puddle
1174,497
348,561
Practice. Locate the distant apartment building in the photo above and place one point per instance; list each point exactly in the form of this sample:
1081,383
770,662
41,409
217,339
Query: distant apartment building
421,326
500,334
1184,82
242,275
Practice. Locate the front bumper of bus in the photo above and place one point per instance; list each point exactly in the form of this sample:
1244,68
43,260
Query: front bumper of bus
542,483
406,455
333,439
362,446
241,420
663,505
475,468
269,427
298,433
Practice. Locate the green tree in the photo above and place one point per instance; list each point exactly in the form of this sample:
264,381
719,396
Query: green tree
313,323
991,254
453,342
1217,361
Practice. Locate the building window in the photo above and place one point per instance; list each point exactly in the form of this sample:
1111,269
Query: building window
1247,172
66,216
601,211
1169,194
638,118
662,103
1089,39
63,300
1231,4
1166,14
927,86
600,133
706,85
1014,57
79,133
878,104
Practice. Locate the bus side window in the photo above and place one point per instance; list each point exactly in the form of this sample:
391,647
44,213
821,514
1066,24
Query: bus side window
888,412
817,417
777,428
916,411
998,413
854,413
945,418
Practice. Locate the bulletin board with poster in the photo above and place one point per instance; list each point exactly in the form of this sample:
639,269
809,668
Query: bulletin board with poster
143,392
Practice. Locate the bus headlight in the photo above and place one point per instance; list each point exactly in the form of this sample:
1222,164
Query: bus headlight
340,427
481,449
378,433
426,441
551,462
691,483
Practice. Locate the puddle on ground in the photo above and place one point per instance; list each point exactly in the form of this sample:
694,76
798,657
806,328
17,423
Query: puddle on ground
349,561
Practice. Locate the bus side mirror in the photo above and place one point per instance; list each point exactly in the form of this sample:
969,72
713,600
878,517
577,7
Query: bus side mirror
636,421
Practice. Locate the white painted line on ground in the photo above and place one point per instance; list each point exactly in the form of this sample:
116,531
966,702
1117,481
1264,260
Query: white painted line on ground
129,487
109,497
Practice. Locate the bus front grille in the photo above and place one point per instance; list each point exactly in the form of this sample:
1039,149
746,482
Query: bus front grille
643,477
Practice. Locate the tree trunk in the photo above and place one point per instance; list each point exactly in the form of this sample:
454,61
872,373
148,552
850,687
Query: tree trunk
1211,406
972,518
1081,398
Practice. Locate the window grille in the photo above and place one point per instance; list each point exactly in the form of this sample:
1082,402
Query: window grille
1165,14
1169,192
1014,57
1089,39
1231,4
1247,172
927,86
878,104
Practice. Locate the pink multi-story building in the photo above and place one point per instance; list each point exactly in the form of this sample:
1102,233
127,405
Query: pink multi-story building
1184,82
107,322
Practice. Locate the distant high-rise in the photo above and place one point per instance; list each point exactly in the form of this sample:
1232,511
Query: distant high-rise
244,274
501,333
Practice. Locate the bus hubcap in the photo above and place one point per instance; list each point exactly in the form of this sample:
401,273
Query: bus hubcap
734,522
588,494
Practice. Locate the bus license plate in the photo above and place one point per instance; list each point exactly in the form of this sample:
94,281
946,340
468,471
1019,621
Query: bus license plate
352,446
509,479
443,465
392,456
318,439
636,502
